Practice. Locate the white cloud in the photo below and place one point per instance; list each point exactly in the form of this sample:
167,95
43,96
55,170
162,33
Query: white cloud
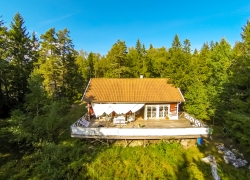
47,22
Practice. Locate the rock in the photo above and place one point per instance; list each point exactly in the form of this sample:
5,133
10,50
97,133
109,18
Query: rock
226,159
221,152
136,143
211,160
230,157
184,143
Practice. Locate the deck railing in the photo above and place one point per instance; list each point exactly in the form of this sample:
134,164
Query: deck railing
194,121
81,129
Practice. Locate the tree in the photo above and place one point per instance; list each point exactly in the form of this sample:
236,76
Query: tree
197,100
156,62
57,64
178,66
237,92
176,44
20,56
195,93
136,60
219,70
90,64
117,60
4,66
37,98
69,75
48,63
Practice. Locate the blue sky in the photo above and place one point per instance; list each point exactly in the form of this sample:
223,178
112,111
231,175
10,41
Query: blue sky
95,25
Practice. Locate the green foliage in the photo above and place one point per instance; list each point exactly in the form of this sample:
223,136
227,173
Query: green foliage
116,58
156,62
236,95
4,65
57,64
37,97
20,56
197,102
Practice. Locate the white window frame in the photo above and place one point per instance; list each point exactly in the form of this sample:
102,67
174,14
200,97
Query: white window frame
157,111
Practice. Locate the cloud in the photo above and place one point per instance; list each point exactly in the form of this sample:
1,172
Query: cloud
47,22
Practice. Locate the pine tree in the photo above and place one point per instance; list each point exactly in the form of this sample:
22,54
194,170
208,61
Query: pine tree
136,60
57,64
90,64
178,67
176,44
219,69
157,58
48,63
4,66
237,92
37,98
117,60
20,56
68,70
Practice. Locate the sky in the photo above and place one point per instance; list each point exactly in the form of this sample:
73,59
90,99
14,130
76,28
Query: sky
95,25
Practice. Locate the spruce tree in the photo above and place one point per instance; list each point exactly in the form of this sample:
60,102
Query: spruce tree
49,64
237,93
4,66
117,61
20,56
136,60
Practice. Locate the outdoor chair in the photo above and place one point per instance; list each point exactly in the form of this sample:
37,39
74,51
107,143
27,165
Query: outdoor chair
82,122
130,119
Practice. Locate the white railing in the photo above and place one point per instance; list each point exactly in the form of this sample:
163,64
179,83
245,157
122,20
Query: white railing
103,131
194,121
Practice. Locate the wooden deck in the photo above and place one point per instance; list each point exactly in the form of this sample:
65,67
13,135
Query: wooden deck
149,129
153,123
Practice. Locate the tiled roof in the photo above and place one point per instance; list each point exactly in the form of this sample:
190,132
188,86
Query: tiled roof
139,90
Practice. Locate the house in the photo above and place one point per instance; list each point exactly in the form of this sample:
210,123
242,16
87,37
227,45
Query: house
135,108
154,96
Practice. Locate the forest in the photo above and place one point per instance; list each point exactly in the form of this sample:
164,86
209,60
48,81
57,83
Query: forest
41,77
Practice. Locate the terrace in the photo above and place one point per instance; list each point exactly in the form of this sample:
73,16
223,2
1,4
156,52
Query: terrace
104,128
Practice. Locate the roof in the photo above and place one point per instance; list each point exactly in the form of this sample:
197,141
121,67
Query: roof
128,90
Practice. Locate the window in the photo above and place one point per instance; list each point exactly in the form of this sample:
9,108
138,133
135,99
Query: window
163,111
156,111
151,111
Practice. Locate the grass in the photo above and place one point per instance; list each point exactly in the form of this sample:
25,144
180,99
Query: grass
72,158
160,161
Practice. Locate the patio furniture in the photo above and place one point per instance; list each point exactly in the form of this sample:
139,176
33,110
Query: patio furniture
82,122
130,119
119,120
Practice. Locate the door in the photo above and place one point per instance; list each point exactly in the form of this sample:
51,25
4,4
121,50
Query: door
151,111
163,111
